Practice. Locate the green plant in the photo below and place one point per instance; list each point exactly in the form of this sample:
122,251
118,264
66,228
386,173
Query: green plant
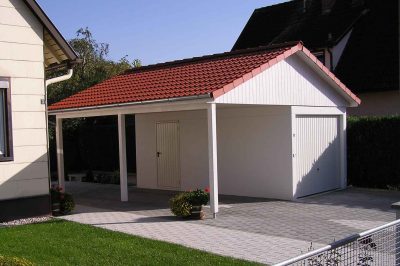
180,205
67,204
14,261
198,197
373,146
64,201
103,178
115,179
89,177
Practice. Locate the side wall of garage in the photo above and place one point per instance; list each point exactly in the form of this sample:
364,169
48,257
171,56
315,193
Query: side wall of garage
254,150
193,148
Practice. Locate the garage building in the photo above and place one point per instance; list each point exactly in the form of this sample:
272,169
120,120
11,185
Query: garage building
266,122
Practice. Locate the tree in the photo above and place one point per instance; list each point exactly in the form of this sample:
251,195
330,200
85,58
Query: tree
95,68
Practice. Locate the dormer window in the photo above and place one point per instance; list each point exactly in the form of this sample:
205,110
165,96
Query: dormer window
320,56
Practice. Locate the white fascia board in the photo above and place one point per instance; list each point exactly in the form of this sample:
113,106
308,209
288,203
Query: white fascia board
135,109
328,79
314,110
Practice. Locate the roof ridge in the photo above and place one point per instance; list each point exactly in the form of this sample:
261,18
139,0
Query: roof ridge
211,57
277,5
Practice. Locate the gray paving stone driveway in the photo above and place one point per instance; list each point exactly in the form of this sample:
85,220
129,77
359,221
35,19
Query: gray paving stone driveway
266,231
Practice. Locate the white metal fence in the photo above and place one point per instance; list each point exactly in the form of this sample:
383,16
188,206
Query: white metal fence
378,246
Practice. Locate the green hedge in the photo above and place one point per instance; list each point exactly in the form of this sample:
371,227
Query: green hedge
373,147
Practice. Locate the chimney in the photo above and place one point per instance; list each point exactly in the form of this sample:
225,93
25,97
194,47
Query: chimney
327,5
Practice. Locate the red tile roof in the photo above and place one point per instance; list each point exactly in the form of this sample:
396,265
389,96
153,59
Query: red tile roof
213,75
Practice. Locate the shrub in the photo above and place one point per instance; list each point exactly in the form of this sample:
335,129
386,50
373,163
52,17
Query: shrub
180,205
373,146
89,177
67,204
115,179
198,197
103,179
14,261
64,200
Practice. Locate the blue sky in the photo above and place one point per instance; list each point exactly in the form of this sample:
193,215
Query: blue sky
157,30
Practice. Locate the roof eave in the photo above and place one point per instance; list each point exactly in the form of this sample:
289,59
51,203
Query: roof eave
353,100
53,31
130,104
67,64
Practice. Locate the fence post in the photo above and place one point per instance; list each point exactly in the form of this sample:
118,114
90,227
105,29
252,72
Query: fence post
396,207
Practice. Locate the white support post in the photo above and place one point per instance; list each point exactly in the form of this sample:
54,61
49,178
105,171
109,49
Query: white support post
60,153
123,172
212,158
343,150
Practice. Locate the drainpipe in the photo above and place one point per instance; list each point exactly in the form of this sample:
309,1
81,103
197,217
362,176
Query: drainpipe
60,78
47,83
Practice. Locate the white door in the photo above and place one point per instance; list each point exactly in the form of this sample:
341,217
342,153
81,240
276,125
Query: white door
168,163
317,154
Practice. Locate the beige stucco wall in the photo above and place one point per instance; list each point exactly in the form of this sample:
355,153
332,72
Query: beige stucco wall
377,104
254,150
21,59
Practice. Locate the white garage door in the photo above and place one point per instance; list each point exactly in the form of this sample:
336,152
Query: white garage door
317,154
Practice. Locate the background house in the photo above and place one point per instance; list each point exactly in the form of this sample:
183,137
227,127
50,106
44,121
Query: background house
30,45
358,40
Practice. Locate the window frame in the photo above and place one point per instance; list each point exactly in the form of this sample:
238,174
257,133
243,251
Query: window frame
320,53
8,123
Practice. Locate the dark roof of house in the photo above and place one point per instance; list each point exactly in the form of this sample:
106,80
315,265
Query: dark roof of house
210,76
370,61
53,31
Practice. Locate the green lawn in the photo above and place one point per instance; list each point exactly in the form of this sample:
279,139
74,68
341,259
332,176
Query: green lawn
66,243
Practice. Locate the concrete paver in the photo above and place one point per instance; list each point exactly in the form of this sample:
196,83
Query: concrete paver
266,231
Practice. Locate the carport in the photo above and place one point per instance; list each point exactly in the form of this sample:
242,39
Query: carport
276,115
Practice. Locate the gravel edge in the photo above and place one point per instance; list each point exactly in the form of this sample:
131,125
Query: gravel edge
25,221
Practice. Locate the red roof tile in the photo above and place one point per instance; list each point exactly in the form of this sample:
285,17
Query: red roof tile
214,75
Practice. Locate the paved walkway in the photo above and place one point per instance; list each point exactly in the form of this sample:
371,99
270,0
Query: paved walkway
266,231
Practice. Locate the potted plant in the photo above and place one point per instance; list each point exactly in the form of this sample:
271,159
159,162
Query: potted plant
61,203
180,205
190,204
55,193
197,199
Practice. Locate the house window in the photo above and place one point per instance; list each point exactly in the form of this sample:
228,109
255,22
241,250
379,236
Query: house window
6,149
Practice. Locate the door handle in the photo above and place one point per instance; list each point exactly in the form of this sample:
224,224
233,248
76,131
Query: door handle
158,154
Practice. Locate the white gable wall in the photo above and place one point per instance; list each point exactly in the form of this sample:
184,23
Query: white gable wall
289,82
21,59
